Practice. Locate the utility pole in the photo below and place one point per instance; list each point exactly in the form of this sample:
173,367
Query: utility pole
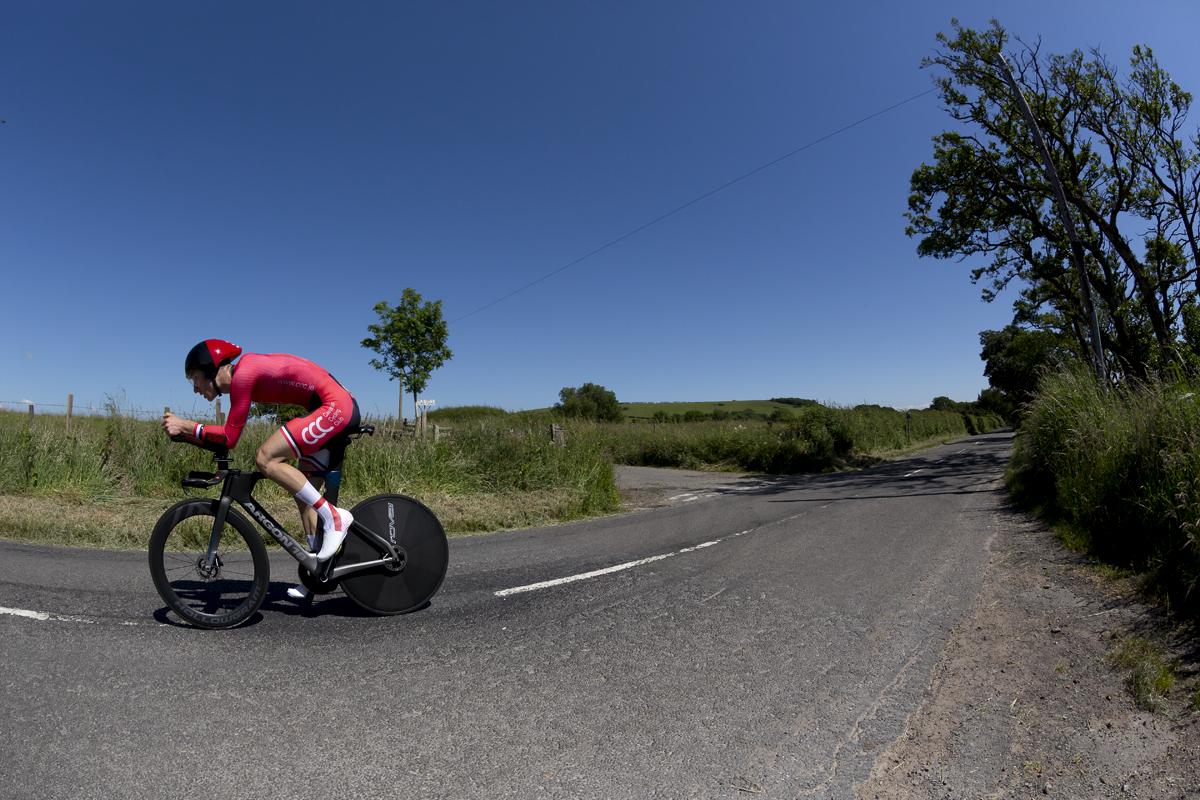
1064,211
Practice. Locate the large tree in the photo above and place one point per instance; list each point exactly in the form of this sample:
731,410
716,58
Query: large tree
410,340
1015,359
1130,173
589,401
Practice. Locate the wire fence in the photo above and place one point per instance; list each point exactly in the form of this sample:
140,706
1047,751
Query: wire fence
80,409
113,406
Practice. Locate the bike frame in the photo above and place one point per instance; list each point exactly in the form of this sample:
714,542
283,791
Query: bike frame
238,485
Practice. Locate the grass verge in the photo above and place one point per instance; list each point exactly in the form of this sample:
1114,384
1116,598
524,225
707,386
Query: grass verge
1114,470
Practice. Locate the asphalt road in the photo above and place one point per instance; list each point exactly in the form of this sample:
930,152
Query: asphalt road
771,642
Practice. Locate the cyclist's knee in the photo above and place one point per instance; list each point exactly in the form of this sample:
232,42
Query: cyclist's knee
273,452
264,460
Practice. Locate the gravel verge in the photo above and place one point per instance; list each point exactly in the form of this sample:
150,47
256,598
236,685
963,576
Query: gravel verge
1024,701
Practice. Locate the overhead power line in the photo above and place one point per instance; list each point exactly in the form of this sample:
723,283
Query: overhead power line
693,202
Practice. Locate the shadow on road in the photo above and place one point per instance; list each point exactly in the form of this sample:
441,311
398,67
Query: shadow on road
963,472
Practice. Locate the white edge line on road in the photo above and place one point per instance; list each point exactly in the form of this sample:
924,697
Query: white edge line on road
43,616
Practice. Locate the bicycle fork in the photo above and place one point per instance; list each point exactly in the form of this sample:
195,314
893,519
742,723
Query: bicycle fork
212,561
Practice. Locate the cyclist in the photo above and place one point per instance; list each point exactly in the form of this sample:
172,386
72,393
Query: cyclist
276,378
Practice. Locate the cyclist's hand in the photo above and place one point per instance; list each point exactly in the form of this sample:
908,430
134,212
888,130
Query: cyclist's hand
173,425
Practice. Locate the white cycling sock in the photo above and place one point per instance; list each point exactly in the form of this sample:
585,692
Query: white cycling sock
312,497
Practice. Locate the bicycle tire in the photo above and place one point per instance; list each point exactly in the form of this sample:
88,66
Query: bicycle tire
412,526
223,597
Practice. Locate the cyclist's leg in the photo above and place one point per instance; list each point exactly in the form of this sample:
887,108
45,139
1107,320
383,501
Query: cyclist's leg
299,438
312,467
308,515
272,458
319,440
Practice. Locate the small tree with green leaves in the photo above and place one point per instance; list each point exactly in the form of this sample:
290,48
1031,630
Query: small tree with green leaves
410,340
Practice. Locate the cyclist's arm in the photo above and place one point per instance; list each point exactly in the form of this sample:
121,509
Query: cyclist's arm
227,435
194,431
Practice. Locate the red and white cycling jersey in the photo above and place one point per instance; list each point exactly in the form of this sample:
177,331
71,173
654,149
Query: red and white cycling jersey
291,380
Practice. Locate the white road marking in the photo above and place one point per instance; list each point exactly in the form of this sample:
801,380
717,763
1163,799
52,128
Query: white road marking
582,577
597,573
914,472
43,616
688,497
627,565
20,612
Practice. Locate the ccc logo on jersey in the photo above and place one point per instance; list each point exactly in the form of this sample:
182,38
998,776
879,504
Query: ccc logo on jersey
314,432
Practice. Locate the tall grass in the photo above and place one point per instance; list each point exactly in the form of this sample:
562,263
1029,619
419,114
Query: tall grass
102,458
485,457
1122,467
491,474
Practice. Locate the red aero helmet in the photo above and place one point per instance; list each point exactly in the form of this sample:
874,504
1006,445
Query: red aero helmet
208,355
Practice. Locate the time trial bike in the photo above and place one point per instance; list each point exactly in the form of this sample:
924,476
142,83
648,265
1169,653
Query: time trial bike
210,565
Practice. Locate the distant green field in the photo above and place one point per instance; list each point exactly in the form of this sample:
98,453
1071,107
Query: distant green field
644,412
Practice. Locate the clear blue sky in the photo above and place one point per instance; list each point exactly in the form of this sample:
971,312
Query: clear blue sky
266,172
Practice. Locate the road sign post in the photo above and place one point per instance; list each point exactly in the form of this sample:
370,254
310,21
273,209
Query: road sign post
423,407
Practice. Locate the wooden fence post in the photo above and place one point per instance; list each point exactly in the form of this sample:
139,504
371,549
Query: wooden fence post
31,412
220,416
70,404
556,434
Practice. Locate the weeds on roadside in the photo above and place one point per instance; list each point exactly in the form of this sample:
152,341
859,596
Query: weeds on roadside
1116,471
1149,679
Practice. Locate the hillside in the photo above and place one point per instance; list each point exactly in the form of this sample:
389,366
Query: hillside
645,412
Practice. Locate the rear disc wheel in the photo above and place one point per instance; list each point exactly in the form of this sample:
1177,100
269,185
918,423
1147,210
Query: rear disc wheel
410,525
